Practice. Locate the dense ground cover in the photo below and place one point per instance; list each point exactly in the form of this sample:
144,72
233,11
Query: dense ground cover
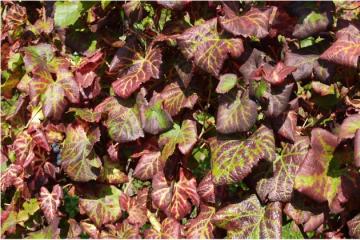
180,119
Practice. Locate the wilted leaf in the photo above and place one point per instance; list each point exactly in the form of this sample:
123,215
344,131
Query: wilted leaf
279,187
50,202
102,210
201,227
184,137
207,47
317,176
173,197
248,219
236,113
78,158
140,69
232,160
254,22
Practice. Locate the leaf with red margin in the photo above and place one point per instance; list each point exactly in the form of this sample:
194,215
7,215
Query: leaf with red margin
354,226
38,137
102,210
176,97
207,47
11,177
112,173
39,83
236,112
85,72
54,101
50,202
149,164
184,137
66,79
226,83
286,125
255,22
123,230
136,207
276,75
232,160
78,156
154,118
318,176
249,219
201,227
141,69
349,126
38,57
170,229
346,49
279,100
173,197
23,148
206,189
279,187
123,120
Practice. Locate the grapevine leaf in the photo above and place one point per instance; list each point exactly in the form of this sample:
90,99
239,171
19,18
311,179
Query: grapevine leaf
102,210
149,164
255,60
38,57
235,113
176,97
67,13
279,187
112,173
255,22
312,23
172,198
349,126
50,202
86,114
141,69
206,189
227,82
354,226
346,49
232,160
275,75
248,219
135,207
50,232
279,99
170,229
185,137
78,157
316,177
207,48
201,227
55,102
123,120
357,148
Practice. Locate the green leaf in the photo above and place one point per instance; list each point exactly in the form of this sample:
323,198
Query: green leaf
311,23
102,210
78,158
291,231
232,160
227,82
30,207
235,113
67,13
184,137
249,219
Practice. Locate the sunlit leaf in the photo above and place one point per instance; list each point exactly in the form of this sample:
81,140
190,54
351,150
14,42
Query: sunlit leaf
279,99
136,207
249,219
173,197
86,114
207,47
201,227
67,13
349,126
50,232
236,113
102,210
112,173
254,22
169,229
312,23
232,160
227,82
50,202
78,158
149,164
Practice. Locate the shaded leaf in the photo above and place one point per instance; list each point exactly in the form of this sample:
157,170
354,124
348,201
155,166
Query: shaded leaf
149,164
112,173
232,160
227,82
235,113
311,23
248,219
349,126
354,226
207,48
279,99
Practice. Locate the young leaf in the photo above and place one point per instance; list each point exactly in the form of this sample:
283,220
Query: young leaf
78,157
227,82
276,75
172,198
248,219
254,22
102,210
232,160
67,13
207,47
201,227
235,113
349,126
314,177
141,69
184,137
279,187
50,202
